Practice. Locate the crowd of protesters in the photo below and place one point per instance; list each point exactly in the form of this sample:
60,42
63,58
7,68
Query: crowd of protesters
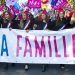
25,20
56,20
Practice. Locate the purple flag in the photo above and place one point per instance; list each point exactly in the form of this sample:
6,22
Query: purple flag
57,4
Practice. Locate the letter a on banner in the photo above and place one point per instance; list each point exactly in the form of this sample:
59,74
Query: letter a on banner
4,46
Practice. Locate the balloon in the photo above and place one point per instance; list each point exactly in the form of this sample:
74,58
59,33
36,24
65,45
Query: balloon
45,6
72,3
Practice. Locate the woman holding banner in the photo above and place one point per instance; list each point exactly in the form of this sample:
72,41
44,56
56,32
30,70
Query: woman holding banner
41,22
26,23
72,21
6,20
15,22
60,21
52,19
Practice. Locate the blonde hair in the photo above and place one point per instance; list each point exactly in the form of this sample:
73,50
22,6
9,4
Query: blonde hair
72,19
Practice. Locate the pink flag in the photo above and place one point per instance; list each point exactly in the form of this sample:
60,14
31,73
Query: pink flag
1,7
34,3
13,10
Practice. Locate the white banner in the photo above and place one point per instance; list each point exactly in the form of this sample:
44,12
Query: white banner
37,46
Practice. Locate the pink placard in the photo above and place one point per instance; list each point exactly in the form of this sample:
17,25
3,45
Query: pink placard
34,3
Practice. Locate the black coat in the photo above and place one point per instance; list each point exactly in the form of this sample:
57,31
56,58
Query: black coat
60,25
24,23
51,24
72,25
0,21
4,22
69,25
40,25
15,24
